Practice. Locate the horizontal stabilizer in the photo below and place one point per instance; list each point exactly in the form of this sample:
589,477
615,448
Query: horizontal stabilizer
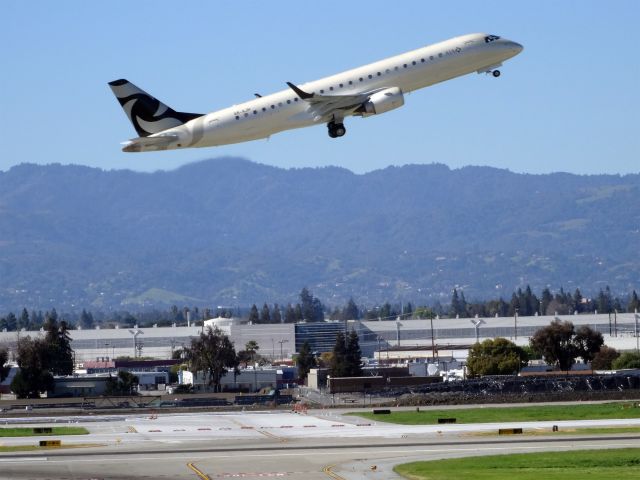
149,144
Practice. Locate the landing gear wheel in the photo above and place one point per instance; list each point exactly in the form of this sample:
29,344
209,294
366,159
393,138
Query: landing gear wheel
336,129
496,73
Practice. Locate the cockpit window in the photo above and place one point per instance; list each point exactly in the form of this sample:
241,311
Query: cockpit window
491,38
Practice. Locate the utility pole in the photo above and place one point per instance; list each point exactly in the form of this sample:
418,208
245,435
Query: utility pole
433,343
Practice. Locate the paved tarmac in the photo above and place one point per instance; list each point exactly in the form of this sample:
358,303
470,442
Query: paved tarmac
319,445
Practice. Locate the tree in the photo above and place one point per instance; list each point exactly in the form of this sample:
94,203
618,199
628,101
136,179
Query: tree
603,360
311,308
555,343
34,376
576,303
265,314
289,314
212,353
353,356
248,355
86,319
634,303
588,342
305,360
496,356
4,369
254,317
545,301
124,384
627,360
59,349
12,322
560,343
23,321
276,317
350,311
338,364
604,302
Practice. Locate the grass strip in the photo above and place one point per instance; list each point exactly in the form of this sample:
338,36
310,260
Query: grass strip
616,410
574,465
28,431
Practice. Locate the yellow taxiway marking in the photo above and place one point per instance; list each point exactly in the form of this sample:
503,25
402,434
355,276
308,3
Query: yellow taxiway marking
198,472
328,470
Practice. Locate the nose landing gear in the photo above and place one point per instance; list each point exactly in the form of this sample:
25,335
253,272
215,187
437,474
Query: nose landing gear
496,73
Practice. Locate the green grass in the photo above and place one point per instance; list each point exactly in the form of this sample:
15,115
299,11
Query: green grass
618,410
28,432
577,465
566,431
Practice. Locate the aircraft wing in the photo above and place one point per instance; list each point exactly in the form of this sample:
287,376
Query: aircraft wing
323,106
149,144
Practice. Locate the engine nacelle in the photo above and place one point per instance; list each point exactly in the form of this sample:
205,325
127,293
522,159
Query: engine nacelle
382,101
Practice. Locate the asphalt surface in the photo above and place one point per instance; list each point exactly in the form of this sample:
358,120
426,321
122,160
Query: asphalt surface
319,445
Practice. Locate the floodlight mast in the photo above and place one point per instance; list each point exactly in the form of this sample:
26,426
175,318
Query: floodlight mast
476,323
135,334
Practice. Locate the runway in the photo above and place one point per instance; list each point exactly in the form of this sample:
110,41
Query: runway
272,445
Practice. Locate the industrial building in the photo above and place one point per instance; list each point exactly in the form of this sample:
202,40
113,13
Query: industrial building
391,339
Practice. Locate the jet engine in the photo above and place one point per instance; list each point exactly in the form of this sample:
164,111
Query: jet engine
382,101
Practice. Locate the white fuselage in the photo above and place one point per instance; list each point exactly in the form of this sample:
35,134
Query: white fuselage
284,110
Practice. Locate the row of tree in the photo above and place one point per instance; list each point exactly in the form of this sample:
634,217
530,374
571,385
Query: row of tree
559,344
523,302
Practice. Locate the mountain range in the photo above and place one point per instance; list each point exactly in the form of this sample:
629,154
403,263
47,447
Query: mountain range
231,232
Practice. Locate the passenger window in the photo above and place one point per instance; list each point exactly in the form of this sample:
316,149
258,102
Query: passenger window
255,112
295,99
440,55
288,101
397,68
331,88
264,109
431,57
237,117
350,82
321,91
405,65
387,71
413,63
361,79
341,85
273,106
279,104
422,60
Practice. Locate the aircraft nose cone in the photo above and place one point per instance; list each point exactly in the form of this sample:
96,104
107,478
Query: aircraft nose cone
516,47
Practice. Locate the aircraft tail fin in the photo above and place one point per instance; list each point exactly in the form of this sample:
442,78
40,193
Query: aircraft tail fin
147,114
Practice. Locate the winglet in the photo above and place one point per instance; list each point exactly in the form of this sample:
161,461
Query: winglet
301,93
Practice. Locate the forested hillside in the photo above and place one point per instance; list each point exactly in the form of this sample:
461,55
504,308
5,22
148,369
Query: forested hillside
232,232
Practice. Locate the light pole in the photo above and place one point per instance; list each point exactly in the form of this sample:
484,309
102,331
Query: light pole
476,323
515,324
433,342
135,334
281,341
635,316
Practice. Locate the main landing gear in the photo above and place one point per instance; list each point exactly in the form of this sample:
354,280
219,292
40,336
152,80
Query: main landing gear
336,129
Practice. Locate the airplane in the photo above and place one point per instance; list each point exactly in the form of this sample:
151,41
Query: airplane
373,89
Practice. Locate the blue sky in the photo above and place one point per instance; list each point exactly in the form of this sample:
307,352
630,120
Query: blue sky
569,102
